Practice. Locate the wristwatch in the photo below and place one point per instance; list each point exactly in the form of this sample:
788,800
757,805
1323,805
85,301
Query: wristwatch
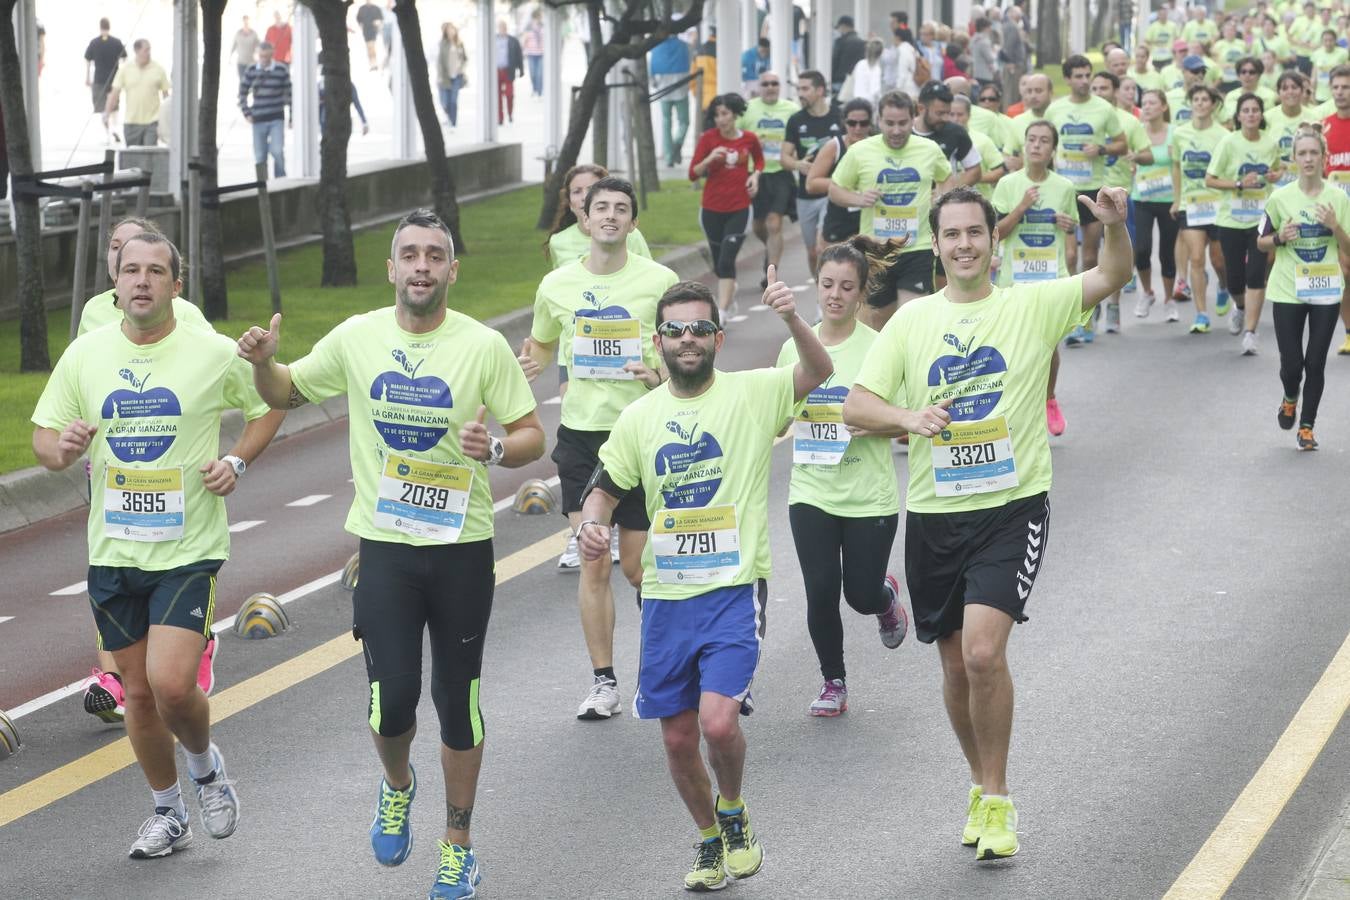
239,466
496,450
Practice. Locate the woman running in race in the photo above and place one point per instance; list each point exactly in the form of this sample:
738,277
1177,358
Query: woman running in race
1194,206
1038,219
1152,196
1283,120
841,222
1243,168
566,241
731,160
843,503
1302,222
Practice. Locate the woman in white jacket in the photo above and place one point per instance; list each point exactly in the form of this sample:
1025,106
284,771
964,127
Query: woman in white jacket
867,80
898,63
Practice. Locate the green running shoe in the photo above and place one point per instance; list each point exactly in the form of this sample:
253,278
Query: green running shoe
707,873
970,835
998,837
744,855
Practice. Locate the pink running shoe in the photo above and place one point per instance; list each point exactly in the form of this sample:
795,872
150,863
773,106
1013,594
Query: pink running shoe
206,671
894,622
1054,418
833,699
103,697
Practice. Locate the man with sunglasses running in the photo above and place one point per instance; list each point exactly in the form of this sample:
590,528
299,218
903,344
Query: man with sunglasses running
700,448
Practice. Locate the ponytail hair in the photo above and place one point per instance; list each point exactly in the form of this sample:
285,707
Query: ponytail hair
871,259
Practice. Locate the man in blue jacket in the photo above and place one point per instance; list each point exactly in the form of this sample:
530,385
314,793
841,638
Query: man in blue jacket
668,65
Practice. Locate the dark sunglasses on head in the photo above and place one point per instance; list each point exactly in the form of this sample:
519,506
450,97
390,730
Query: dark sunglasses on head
673,328
857,123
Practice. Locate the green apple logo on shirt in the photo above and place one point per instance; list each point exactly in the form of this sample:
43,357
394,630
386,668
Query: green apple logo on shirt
691,468
409,412
142,421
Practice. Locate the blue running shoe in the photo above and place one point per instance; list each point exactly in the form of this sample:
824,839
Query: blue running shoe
1221,303
1087,335
458,876
1076,337
1201,325
391,832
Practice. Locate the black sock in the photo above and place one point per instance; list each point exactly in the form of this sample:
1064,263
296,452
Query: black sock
606,672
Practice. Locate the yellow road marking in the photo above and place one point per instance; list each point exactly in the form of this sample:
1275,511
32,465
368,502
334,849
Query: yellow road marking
112,758
1222,857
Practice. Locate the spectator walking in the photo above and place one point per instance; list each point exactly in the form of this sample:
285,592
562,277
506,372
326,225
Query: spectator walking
269,82
279,36
983,54
668,65
754,63
532,44
705,63
931,49
848,49
145,84
103,55
451,61
866,77
510,66
370,17
1013,55
356,102
899,61
244,48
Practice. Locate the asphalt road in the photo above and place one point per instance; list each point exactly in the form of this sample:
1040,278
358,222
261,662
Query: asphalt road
1193,595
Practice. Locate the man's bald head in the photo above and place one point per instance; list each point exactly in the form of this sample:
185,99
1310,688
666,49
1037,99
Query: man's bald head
1117,61
958,85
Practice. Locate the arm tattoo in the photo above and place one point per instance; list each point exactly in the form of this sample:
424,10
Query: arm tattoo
296,399
457,817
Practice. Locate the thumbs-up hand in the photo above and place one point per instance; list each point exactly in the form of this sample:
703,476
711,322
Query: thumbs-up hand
258,346
779,297
474,439
528,364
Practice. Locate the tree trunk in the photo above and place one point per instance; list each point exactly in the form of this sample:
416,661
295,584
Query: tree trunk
643,136
442,182
600,118
1101,28
335,220
210,268
620,46
33,355
1049,43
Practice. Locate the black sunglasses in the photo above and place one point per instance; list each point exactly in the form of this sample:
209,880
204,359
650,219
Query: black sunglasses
1246,71
768,84
857,123
673,328
989,99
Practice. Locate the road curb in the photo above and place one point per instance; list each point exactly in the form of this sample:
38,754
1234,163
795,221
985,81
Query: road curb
1331,878
30,496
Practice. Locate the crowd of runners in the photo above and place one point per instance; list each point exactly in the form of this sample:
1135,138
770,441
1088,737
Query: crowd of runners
955,247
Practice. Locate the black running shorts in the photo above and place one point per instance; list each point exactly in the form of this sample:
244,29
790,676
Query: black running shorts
577,455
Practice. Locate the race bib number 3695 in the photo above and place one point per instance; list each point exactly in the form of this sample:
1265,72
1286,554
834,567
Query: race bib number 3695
143,504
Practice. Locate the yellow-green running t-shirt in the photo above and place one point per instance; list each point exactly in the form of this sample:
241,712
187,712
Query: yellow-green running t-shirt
1093,121
156,408
101,309
1119,171
613,308
863,482
408,395
1235,157
1192,150
990,158
991,356
768,122
706,459
1037,229
570,245
1309,261
905,179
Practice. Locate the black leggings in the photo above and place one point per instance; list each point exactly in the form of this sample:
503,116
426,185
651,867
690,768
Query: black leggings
1244,264
725,233
834,550
1308,366
1146,213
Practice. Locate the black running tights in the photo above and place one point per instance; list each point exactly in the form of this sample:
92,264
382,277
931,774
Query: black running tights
1145,214
1298,364
833,551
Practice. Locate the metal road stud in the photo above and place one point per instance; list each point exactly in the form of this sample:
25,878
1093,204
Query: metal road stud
9,736
351,572
261,616
535,499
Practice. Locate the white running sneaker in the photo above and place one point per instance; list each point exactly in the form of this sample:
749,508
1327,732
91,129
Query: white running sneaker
1249,345
1170,313
160,835
571,557
218,799
614,543
1143,304
1113,318
1235,321
602,702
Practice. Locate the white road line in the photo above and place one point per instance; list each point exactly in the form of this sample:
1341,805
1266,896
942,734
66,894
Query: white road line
798,288
5,618
758,307
75,687
245,525
70,591
741,318
310,500
553,401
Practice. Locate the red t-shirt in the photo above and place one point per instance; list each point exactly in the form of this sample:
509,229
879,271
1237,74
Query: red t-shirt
1015,110
725,189
1337,132
279,36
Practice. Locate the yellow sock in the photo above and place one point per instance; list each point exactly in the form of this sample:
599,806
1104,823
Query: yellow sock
711,833
729,806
